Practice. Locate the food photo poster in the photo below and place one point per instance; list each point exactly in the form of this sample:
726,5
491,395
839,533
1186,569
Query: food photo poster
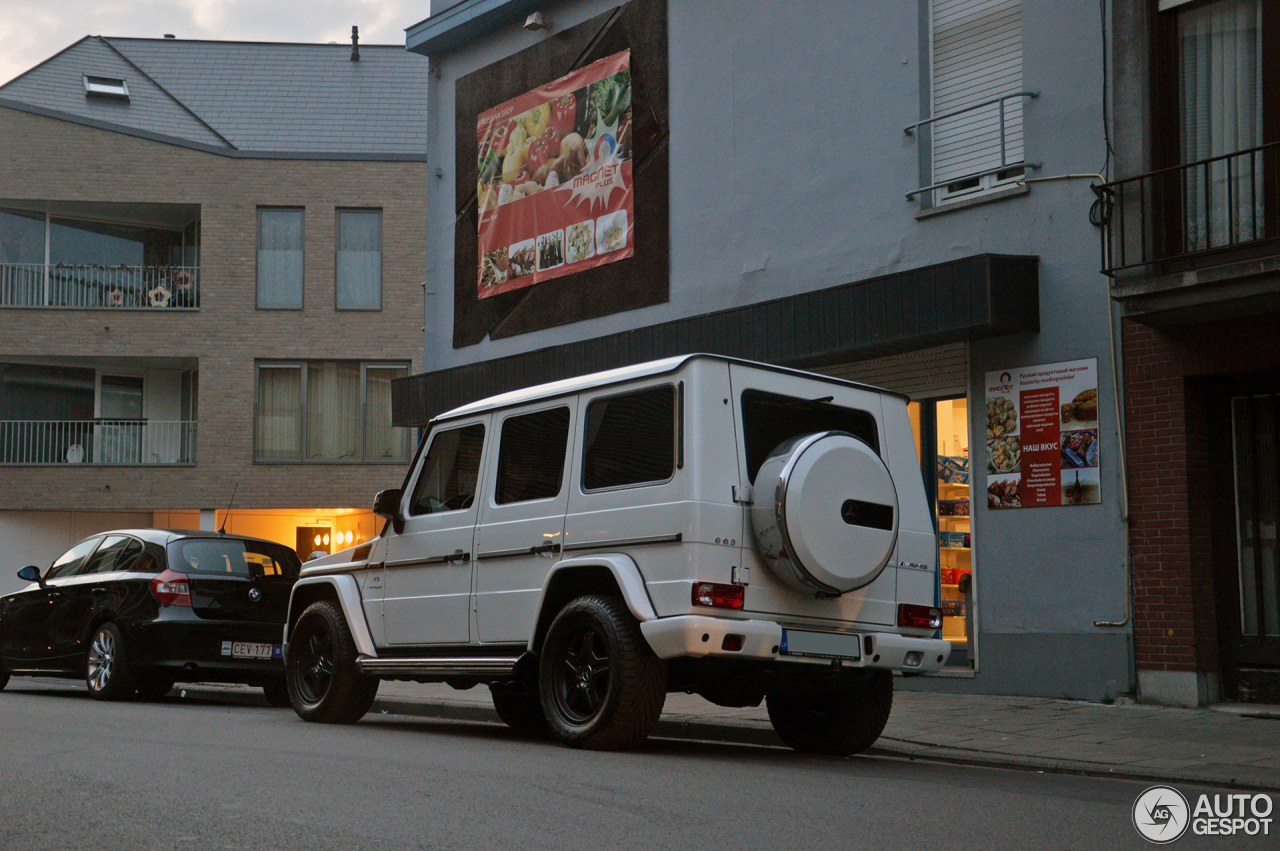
554,186
1042,435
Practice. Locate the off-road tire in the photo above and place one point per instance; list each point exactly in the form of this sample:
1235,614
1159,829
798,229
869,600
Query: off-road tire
836,724
107,671
324,684
520,709
153,686
613,712
277,693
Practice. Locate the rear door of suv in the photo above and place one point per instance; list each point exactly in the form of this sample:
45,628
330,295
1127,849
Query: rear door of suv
773,407
521,531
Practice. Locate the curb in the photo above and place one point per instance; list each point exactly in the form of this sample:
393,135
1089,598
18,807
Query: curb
686,728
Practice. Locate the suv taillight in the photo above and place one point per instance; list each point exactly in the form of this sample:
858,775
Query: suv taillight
172,589
717,596
919,617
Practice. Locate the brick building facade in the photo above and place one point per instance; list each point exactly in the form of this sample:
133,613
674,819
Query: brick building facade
68,167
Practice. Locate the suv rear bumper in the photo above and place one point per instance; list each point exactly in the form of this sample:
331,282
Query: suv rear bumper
700,636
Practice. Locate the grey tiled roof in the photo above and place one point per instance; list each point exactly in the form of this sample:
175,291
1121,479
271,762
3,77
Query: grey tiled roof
242,97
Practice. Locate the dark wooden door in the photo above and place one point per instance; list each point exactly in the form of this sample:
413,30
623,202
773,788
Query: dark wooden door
1247,562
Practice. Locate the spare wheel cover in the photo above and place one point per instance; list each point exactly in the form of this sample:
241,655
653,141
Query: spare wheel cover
836,509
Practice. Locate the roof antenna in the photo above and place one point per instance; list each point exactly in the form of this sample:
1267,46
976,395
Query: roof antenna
355,44
227,517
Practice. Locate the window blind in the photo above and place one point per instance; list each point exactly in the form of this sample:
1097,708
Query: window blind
977,55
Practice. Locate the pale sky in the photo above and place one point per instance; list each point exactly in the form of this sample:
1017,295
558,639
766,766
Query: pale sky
33,30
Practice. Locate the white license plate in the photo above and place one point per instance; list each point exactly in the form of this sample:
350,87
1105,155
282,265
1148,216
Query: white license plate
821,645
250,650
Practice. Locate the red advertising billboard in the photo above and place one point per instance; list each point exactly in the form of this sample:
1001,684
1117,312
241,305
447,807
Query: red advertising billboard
554,191
1042,436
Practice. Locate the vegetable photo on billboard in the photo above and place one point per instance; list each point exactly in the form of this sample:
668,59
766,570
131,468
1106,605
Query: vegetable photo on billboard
554,170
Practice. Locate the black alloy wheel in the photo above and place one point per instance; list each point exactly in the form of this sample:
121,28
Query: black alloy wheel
581,682
320,669
313,665
600,684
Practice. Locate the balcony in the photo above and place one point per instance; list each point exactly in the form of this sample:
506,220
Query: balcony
1190,216
97,442
99,286
1197,242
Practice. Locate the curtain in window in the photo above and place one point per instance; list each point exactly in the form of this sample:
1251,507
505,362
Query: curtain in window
333,411
359,259
1220,68
280,258
280,413
381,440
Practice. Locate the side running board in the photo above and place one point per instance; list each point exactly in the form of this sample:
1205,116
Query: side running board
464,666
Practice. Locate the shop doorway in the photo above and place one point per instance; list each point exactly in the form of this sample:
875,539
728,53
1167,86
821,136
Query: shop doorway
942,441
313,539
1247,581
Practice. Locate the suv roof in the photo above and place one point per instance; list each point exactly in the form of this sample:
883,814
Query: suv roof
624,374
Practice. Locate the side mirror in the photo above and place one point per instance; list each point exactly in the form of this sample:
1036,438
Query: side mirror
387,504
31,573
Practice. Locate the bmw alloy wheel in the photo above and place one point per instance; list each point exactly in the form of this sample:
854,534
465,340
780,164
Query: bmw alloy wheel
102,659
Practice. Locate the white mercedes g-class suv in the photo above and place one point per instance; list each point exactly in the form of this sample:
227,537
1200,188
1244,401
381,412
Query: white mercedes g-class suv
697,524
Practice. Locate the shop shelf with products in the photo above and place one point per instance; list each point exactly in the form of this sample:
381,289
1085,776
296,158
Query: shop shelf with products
955,553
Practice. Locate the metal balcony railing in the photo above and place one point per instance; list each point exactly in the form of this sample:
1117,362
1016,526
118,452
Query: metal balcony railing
97,286
1002,122
1223,202
106,442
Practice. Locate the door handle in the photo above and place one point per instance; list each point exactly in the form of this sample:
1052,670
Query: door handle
99,590
549,548
458,557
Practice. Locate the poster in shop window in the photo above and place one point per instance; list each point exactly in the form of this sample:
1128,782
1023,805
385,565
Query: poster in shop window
1042,435
554,193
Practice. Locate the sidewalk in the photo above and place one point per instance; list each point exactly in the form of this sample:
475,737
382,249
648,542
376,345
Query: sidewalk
1235,745
1238,747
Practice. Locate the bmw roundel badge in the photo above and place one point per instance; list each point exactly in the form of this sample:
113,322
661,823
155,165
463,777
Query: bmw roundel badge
255,594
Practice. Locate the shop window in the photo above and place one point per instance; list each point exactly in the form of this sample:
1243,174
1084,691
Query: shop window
630,439
942,438
531,460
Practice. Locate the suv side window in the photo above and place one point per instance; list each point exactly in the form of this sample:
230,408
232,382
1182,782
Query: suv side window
450,473
630,439
70,561
531,457
116,553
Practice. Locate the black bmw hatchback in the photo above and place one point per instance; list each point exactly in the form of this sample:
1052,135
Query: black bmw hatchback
136,610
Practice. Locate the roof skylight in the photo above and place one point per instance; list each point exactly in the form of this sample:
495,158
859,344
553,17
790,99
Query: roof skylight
106,87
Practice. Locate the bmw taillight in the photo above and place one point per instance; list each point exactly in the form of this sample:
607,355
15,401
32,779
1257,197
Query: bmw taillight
172,589
718,596
919,617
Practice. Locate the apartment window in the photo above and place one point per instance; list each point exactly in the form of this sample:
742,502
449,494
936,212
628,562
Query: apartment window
328,411
359,262
977,57
280,259
630,439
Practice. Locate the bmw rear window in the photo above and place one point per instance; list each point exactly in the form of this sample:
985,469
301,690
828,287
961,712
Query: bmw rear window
232,557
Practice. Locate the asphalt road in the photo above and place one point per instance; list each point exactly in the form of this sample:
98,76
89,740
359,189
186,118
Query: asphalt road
182,773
